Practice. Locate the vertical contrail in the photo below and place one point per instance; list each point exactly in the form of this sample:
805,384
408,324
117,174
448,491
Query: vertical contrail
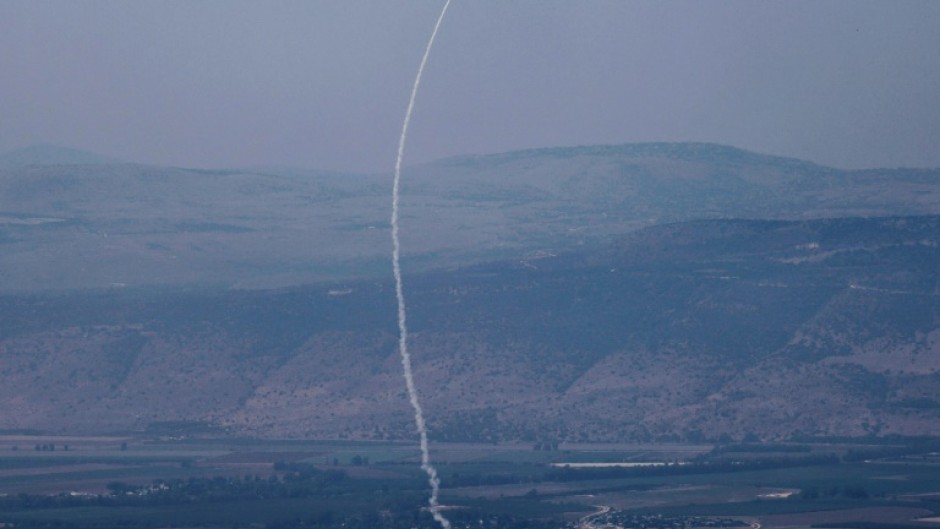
399,293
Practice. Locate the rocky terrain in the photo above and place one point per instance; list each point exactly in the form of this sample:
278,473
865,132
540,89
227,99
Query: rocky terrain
707,329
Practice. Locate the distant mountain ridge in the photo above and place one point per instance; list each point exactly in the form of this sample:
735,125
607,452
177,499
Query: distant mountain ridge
89,226
690,151
47,154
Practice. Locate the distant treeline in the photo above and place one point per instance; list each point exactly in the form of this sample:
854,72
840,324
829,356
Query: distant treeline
705,467
854,492
868,525
878,440
760,448
919,446
331,491
540,474
460,519
299,482
201,496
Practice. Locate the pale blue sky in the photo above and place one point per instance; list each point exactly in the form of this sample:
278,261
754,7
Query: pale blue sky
324,84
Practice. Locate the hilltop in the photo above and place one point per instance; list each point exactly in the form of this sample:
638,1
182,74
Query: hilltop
47,154
68,226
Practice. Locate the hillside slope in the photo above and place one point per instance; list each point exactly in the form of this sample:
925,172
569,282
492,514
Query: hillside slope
67,225
690,330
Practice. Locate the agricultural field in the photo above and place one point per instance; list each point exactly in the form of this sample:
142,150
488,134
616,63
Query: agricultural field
181,481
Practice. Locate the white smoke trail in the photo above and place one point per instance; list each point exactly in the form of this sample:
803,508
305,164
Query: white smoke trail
426,465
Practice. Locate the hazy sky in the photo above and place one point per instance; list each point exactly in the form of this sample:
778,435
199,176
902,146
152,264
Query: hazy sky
324,84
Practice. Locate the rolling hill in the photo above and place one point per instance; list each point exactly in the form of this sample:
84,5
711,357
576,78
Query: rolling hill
73,222
706,329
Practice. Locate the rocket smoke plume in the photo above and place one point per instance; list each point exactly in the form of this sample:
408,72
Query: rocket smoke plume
399,293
